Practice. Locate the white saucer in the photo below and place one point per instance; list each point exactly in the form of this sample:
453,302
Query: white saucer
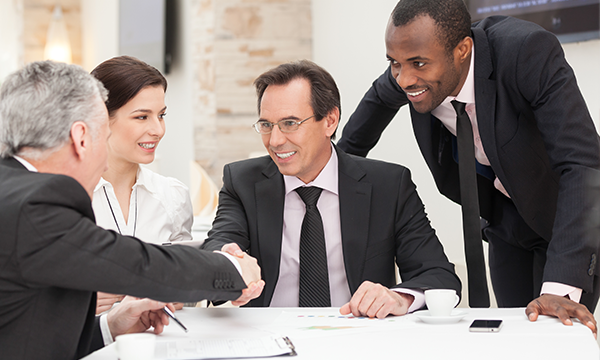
426,317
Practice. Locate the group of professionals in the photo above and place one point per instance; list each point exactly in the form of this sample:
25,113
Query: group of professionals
309,224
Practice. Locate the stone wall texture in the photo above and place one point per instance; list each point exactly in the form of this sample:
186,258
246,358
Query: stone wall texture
234,42
36,20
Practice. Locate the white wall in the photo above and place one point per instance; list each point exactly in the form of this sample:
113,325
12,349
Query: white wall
100,31
100,27
176,150
11,35
348,40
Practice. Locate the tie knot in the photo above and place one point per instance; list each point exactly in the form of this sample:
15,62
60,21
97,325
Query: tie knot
459,107
310,194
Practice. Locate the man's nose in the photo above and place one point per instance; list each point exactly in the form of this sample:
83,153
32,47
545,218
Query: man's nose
277,137
405,78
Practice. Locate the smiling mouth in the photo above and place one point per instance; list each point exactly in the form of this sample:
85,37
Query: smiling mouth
417,93
147,146
285,155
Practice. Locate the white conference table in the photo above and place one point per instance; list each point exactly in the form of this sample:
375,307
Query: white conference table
320,333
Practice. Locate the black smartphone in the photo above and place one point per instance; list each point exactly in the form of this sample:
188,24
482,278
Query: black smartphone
485,325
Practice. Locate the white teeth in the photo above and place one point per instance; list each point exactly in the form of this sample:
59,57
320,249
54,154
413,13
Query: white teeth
285,155
417,93
147,146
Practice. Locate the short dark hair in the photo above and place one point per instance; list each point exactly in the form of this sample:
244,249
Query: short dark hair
324,93
451,17
124,77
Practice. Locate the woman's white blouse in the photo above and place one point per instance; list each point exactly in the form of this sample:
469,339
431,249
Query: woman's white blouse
163,206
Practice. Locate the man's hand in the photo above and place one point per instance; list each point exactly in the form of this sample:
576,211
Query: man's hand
250,268
250,274
252,292
562,308
105,301
375,300
233,249
137,315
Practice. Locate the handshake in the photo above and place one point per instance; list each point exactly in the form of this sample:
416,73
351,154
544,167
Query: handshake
250,274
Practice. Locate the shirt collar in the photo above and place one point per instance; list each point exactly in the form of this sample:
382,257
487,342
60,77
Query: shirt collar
25,163
326,180
143,179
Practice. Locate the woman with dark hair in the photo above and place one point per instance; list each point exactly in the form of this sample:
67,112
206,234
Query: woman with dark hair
129,198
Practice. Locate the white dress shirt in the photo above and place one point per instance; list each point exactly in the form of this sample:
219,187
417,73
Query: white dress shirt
287,287
160,209
447,115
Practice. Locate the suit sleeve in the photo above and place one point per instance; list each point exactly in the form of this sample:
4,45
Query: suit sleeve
373,114
548,83
97,340
62,247
419,254
231,222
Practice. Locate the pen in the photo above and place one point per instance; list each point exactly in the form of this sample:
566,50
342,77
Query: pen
172,316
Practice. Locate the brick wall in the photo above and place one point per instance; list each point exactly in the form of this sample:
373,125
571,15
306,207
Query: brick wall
234,42
36,20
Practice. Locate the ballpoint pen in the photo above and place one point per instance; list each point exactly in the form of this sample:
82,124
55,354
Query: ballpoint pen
172,316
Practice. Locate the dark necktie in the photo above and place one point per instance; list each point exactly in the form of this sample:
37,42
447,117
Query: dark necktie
314,277
478,291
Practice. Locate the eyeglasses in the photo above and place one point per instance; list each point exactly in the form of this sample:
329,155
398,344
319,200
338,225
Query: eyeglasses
264,127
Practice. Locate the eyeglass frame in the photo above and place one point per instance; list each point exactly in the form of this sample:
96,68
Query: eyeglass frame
296,122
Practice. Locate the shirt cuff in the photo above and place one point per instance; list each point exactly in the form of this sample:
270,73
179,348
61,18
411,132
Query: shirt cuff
233,261
419,296
105,330
559,289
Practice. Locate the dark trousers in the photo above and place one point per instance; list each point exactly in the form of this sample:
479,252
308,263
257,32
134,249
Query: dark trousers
517,256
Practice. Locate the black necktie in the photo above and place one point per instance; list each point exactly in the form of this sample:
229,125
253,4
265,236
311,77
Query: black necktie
314,277
478,291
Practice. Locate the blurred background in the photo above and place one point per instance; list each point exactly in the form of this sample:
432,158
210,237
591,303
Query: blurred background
212,50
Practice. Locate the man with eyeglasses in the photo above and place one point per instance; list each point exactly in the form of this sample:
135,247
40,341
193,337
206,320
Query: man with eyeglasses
325,227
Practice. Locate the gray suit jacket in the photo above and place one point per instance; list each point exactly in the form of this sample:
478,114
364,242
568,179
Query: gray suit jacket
53,258
382,220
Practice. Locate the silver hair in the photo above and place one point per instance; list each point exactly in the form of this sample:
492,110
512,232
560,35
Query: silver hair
40,103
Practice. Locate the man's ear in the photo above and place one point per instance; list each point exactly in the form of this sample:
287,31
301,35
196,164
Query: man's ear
332,121
81,139
463,49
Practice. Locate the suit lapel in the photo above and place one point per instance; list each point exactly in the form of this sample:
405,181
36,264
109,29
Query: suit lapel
423,133
355,206
270,197
485,99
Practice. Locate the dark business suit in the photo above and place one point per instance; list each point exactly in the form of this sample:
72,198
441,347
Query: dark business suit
53,258
542,145
382,222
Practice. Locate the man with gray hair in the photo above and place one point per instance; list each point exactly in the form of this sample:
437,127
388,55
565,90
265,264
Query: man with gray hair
53,133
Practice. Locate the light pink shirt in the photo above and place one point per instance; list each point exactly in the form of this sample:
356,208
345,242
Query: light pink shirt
447,115
287,288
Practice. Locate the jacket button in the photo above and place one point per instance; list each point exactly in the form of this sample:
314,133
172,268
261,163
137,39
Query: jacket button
590,271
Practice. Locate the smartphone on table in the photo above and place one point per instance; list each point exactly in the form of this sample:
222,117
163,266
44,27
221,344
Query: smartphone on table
480,325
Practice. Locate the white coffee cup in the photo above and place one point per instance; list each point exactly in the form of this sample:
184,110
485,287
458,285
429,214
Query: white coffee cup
440,302
136,346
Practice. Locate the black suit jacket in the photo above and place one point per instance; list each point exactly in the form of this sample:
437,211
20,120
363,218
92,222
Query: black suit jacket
536,132
382,222
53,258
